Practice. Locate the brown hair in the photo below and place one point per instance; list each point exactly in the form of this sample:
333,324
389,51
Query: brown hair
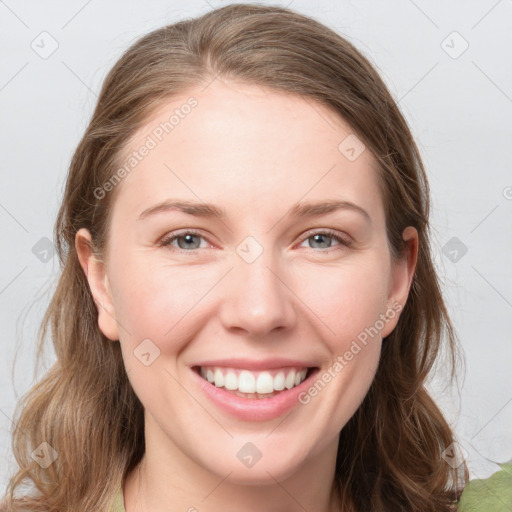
390,451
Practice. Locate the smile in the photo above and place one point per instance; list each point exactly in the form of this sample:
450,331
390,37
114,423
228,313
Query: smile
243,382
261,393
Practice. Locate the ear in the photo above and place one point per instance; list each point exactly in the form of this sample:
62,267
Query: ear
94,270
402,273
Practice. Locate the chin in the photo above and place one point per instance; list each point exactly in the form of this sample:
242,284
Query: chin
276,466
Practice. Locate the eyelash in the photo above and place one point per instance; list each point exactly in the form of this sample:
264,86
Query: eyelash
166,241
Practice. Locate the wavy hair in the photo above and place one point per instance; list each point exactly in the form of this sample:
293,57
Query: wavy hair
391,451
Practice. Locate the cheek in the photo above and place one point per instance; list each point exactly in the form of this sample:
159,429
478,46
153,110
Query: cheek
159,301
347,298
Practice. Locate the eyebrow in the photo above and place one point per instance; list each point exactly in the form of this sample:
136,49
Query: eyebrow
309,209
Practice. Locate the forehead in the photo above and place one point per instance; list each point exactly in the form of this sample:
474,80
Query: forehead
244,144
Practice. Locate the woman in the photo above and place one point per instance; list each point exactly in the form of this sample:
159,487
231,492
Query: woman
210,355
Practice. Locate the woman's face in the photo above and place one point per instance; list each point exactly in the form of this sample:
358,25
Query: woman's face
247,296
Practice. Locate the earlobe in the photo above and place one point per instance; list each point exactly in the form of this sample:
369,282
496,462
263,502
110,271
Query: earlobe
402,275
94,270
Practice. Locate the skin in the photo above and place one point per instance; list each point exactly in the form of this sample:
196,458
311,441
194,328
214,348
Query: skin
255,152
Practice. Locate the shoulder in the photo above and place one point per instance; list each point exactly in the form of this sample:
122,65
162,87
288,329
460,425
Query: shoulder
118,505
493,494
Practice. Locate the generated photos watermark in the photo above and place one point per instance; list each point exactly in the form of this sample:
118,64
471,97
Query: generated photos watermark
343,360
151,142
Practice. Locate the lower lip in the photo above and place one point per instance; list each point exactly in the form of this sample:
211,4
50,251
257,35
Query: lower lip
254,409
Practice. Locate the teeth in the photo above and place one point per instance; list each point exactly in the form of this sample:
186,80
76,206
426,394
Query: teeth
231,381
219,378
265,383
290,380
279,381
245,381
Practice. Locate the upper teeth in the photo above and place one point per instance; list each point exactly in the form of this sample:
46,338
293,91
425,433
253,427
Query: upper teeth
246,381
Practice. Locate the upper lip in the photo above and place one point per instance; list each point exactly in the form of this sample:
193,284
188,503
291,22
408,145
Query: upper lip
255,365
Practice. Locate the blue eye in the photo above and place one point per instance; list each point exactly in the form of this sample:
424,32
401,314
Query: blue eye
187,236
189,241
320,236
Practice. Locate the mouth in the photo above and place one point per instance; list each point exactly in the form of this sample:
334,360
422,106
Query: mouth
250,384
254,391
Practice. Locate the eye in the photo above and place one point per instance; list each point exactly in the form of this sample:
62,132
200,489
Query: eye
190,240
320,237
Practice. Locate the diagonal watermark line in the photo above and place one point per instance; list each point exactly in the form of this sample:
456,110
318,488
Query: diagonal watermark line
12,280
487,423
14,76
215,488
275,428
418,82
79,78
218,74
504,298
484,218
14,218
485,15
323,117
112,316
497,494
304,195
13,13
197,401
424,13
286,491
76,14
199,301
15,425
301,300
492,81
209,4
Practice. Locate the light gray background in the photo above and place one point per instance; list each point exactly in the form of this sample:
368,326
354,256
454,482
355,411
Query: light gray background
459,107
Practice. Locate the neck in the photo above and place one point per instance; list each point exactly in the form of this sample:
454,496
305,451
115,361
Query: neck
169,478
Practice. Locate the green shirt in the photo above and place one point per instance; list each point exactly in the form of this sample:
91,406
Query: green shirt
119,502
493,494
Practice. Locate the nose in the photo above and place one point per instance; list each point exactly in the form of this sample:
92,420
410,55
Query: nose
258,299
